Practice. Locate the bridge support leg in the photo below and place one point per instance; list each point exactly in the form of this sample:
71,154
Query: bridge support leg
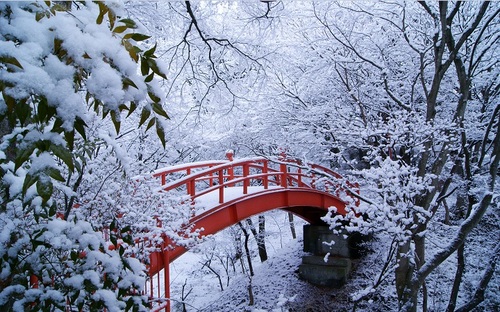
166,278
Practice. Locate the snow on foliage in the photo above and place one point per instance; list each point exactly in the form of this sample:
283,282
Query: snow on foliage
62,65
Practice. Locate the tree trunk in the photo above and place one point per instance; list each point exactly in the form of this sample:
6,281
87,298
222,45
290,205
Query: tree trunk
458,280
259,237
292,225
403,271
247,250
483,283
261,241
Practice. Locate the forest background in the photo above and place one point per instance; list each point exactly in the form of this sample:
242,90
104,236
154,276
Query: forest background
401,97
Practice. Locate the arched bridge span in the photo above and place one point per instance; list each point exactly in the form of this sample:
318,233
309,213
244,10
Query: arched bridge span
233,190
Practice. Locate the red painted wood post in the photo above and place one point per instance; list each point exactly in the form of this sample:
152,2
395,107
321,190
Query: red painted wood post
246,182
221,188
211,179
166,276
189,185
284,175
284,170
265,179
230,170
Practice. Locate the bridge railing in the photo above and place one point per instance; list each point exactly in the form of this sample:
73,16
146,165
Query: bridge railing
202,178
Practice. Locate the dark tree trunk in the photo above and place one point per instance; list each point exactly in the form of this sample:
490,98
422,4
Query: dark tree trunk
292,225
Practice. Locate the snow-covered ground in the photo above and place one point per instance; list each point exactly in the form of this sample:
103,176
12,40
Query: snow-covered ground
276,285
274,282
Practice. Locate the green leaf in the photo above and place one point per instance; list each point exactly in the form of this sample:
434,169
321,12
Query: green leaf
112,226
40,15
63,154
97,105
69,136
130,48
112,19
57,8
113,240
80,126
150,53
151,123
119,29
44,188
57,127
10,60
158,109
43,108
125,229
105,112
37,243
23,111
52,210
56,174
73,255
128,82
29,180
78,167
136,36
154,67
10,101
130,304
149,78
23,155
132,108
144,66
144,115
128,22
153,97
161,133
103,9
115,118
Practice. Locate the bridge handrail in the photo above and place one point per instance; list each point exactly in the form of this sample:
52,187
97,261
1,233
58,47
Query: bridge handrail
220,187
212,169
215,174
163,172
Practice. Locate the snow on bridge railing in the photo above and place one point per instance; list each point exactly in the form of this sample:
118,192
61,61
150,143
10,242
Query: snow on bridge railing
200,178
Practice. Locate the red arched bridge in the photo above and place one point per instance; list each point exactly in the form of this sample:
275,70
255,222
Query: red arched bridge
234,190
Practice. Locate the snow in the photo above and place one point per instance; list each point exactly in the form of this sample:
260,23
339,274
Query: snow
211,200
301,104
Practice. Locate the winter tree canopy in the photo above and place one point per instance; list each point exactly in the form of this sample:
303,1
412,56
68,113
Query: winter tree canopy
400,97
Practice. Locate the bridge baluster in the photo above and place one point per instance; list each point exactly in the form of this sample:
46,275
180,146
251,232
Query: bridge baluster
284,175
211,178
246,182
221,188
265,179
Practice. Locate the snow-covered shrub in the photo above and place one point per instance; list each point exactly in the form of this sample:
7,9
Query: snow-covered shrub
63,64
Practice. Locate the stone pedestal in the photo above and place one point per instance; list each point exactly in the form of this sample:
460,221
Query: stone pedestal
320,240
332,273
320,269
